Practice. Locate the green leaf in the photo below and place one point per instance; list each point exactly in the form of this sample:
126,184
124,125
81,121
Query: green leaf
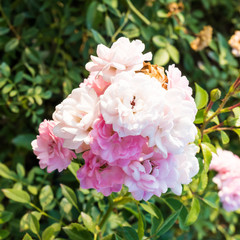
5,216
38,99
88,222
5,172
13,93
201,97
5,69
14,108
194,212
203,181
140,225
199,117
161,57
17,195
159,41
20,170
46,197
11,44
109,26
25,220
237,131
176,205
69,194
76,231
150,209
24,140
51,232
162,14
174,53
111,3
207,155
3,81
212,199
98,37
127,233
224,137
7,88
169,222
34,224
66,209
4,30
91,14
32,55
4,234
27,237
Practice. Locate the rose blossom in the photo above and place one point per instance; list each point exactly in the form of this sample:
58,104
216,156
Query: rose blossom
187,167
96,82
132,102
49,149
152,174
176,80
221,165
122,56
75,116
96,173
114,149
228,178
174,127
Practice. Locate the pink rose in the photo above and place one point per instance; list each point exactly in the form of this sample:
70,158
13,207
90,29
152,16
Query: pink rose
49,149
228,178
96,82
96,173
114,149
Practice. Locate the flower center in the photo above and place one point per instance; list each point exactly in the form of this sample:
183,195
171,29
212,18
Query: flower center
133,102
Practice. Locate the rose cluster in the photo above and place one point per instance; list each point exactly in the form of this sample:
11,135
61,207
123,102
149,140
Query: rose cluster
133,123
227,165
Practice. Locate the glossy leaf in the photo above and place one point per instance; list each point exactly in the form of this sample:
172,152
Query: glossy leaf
207,155
51,232
173,53
5,172
201,97
76,231
212,199
169,222
5,216
11,45
17,195
194,212
109,26
224,137
69,194
98,37
88,222
27,237
46,197
161,57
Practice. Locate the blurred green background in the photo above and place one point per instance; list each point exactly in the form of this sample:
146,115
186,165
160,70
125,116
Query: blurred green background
44,47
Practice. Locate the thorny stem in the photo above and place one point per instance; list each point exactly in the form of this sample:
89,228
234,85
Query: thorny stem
209,130
140,15
125,20
233,89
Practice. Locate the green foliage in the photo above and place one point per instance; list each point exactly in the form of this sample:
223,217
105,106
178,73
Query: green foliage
44,47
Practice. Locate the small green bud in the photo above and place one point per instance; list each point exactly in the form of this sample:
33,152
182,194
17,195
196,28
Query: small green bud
215,94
